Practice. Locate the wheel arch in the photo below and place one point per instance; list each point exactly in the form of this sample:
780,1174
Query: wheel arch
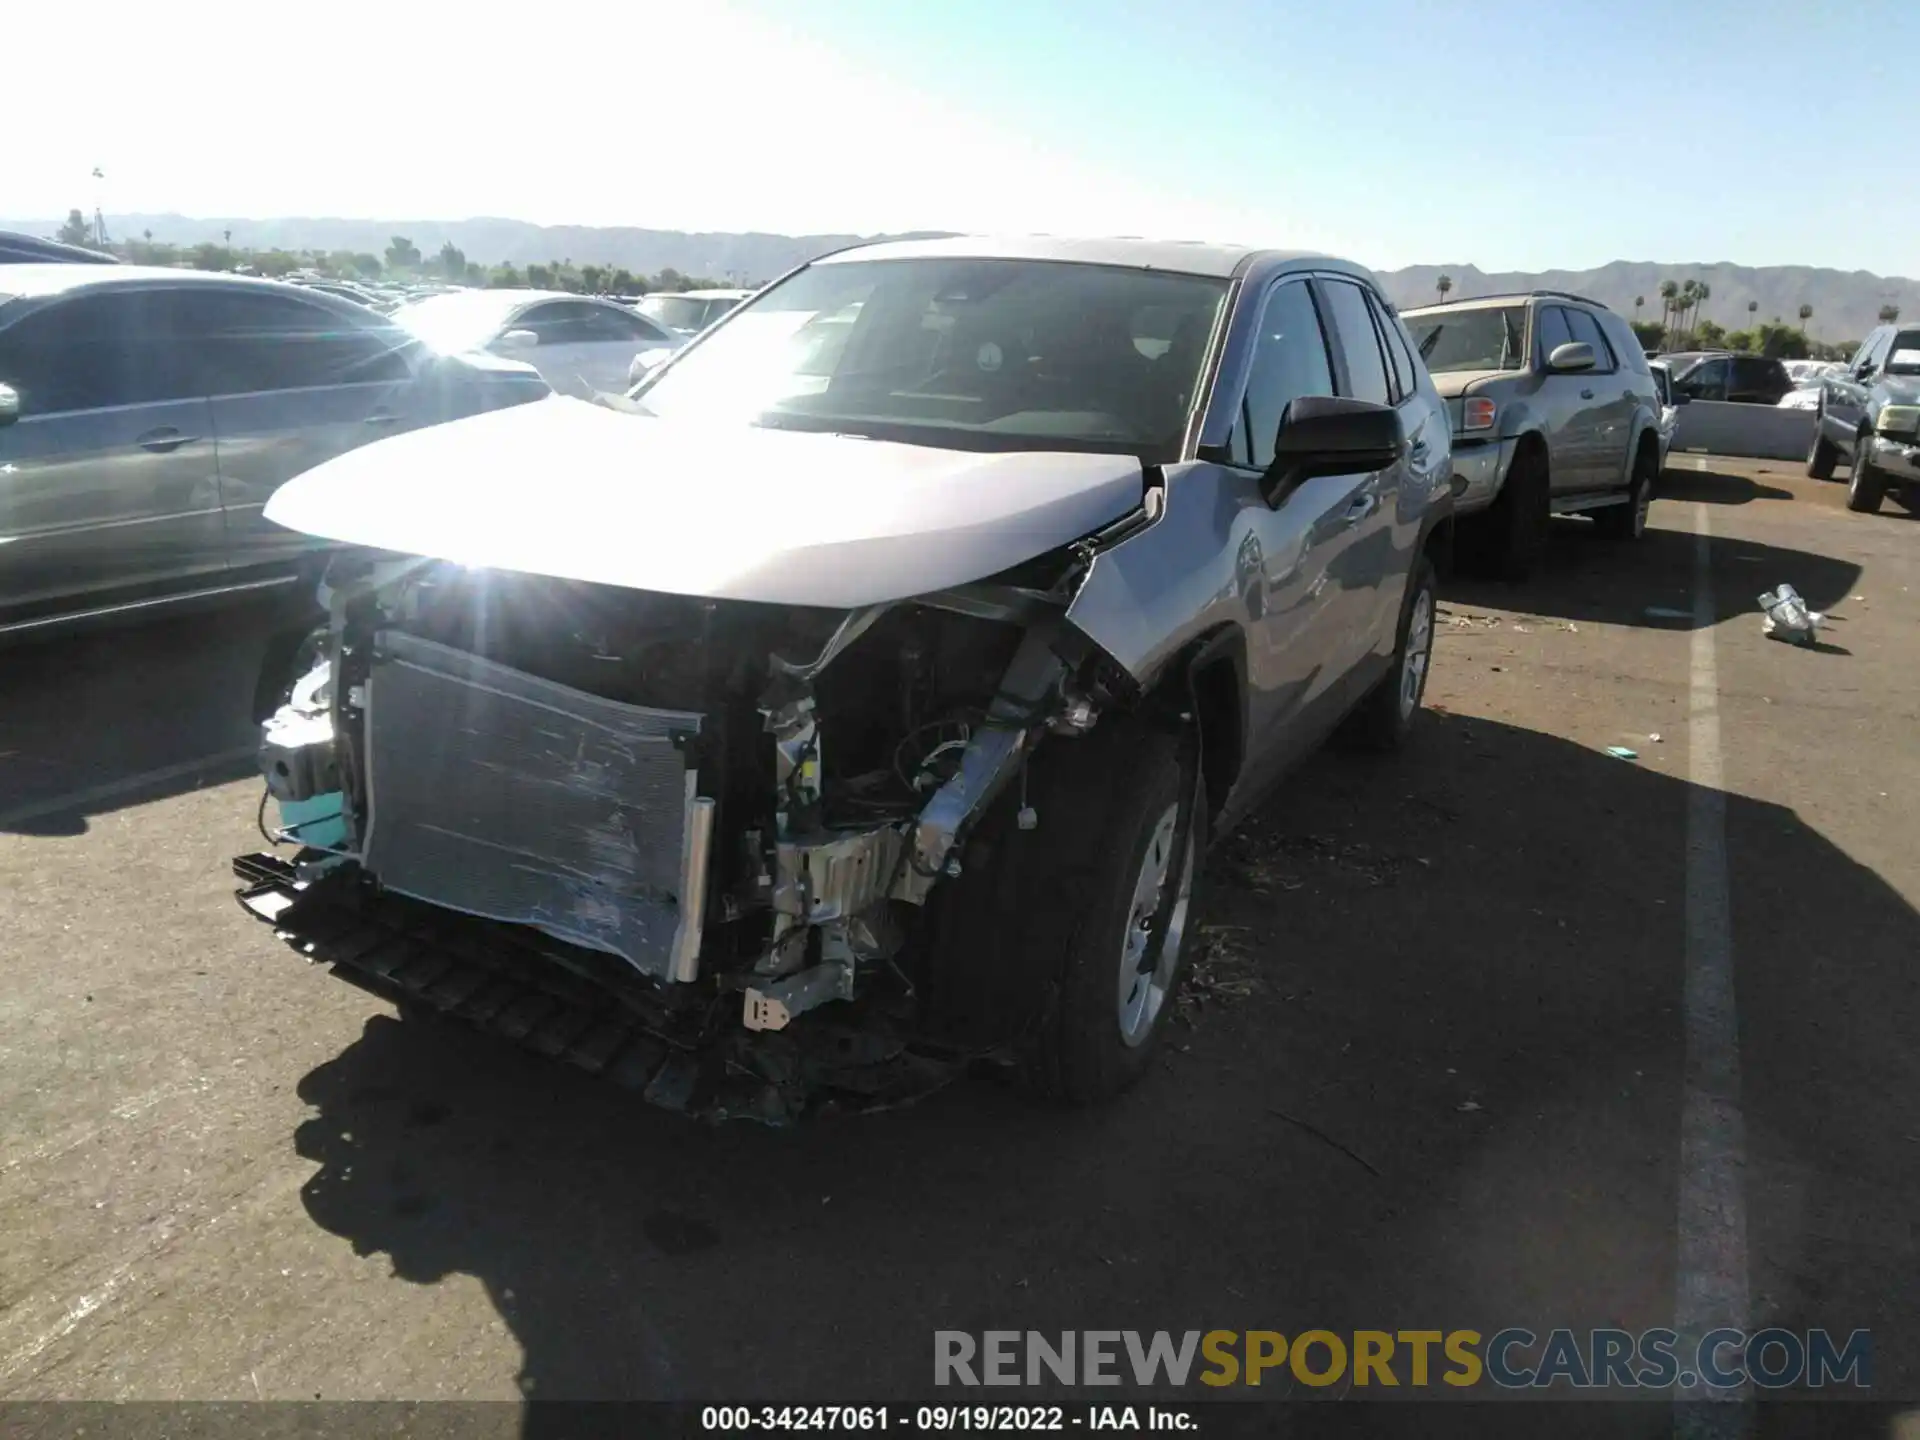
1203,689
1532,443
1647,443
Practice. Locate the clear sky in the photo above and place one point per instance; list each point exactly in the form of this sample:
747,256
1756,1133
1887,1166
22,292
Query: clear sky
1557,133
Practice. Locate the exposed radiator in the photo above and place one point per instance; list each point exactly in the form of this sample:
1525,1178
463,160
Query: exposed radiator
495,792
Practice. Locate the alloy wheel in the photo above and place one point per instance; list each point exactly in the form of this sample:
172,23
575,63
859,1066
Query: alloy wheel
1150,951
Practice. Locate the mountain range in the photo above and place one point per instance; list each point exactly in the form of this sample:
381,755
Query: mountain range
1845,304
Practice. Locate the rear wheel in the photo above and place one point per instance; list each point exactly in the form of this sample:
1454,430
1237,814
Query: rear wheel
1868,487
1822,454
1629,521
1384,719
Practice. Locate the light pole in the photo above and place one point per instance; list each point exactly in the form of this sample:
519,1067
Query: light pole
99,221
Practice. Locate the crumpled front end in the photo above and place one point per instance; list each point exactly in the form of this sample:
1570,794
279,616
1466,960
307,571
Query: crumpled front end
689,842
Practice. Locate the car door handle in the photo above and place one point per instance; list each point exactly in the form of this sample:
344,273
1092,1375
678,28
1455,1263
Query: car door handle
382,417
1418,450
1362,506
164,441
1586,394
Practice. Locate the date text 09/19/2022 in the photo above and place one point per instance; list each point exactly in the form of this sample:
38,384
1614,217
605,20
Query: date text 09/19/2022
941,1418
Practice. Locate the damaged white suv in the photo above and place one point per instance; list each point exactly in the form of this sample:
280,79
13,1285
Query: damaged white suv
853,699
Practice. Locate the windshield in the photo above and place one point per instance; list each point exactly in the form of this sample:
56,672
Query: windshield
677,312
1493,339
463,320
970,353
1905,359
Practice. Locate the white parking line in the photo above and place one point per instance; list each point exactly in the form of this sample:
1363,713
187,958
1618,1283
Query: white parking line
114,789
1711,1279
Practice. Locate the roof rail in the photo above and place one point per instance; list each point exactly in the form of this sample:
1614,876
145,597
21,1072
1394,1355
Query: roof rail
1520,295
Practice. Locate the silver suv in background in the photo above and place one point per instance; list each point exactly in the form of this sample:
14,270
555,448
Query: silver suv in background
1554,412
147,415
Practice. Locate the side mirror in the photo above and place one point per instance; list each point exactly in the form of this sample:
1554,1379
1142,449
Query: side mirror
1681,397
1330,435
1865,372
516,340
9,405
1575,355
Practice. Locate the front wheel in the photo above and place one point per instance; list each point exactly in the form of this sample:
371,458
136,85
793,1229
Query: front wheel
1868,487
1822,454
1126,950
1510,536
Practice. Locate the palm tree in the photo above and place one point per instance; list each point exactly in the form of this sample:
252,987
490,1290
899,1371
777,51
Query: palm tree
1702,293
1669,298
1753,310
1689,292
1443,285
1889,314
1806,314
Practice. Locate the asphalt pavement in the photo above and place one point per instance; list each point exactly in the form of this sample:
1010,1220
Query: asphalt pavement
1504,1031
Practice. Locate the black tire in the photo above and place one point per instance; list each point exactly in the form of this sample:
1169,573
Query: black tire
1868,487
1079,1052
1822,454
1629,521
1512,533
1382,721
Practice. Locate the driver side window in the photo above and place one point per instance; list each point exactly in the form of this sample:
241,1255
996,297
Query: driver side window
1876,348
1706,381
1289,361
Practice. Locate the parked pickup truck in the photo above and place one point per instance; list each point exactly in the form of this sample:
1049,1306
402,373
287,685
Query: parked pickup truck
1554,412
1870,413
829,716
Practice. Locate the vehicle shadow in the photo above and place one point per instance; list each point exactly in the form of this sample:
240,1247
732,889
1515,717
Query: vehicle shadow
1714,487
1428,1071
92,723
1584,577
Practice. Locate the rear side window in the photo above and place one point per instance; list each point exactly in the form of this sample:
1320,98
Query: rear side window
1289,361
1706,381
1359,342
1399,357
1754,376
1553,330
573,322
1586,330
242,342
1627,349
90,352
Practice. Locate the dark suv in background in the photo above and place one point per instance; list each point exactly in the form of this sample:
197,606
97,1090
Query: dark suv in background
1723,375
146,415
1554,412
1870,413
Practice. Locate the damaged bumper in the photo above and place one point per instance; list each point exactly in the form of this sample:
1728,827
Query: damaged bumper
719,840
546,998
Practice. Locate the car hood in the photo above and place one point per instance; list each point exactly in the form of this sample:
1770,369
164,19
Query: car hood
1902,389
574,490
1452,384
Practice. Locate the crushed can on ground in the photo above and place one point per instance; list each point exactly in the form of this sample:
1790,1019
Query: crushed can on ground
1788,617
